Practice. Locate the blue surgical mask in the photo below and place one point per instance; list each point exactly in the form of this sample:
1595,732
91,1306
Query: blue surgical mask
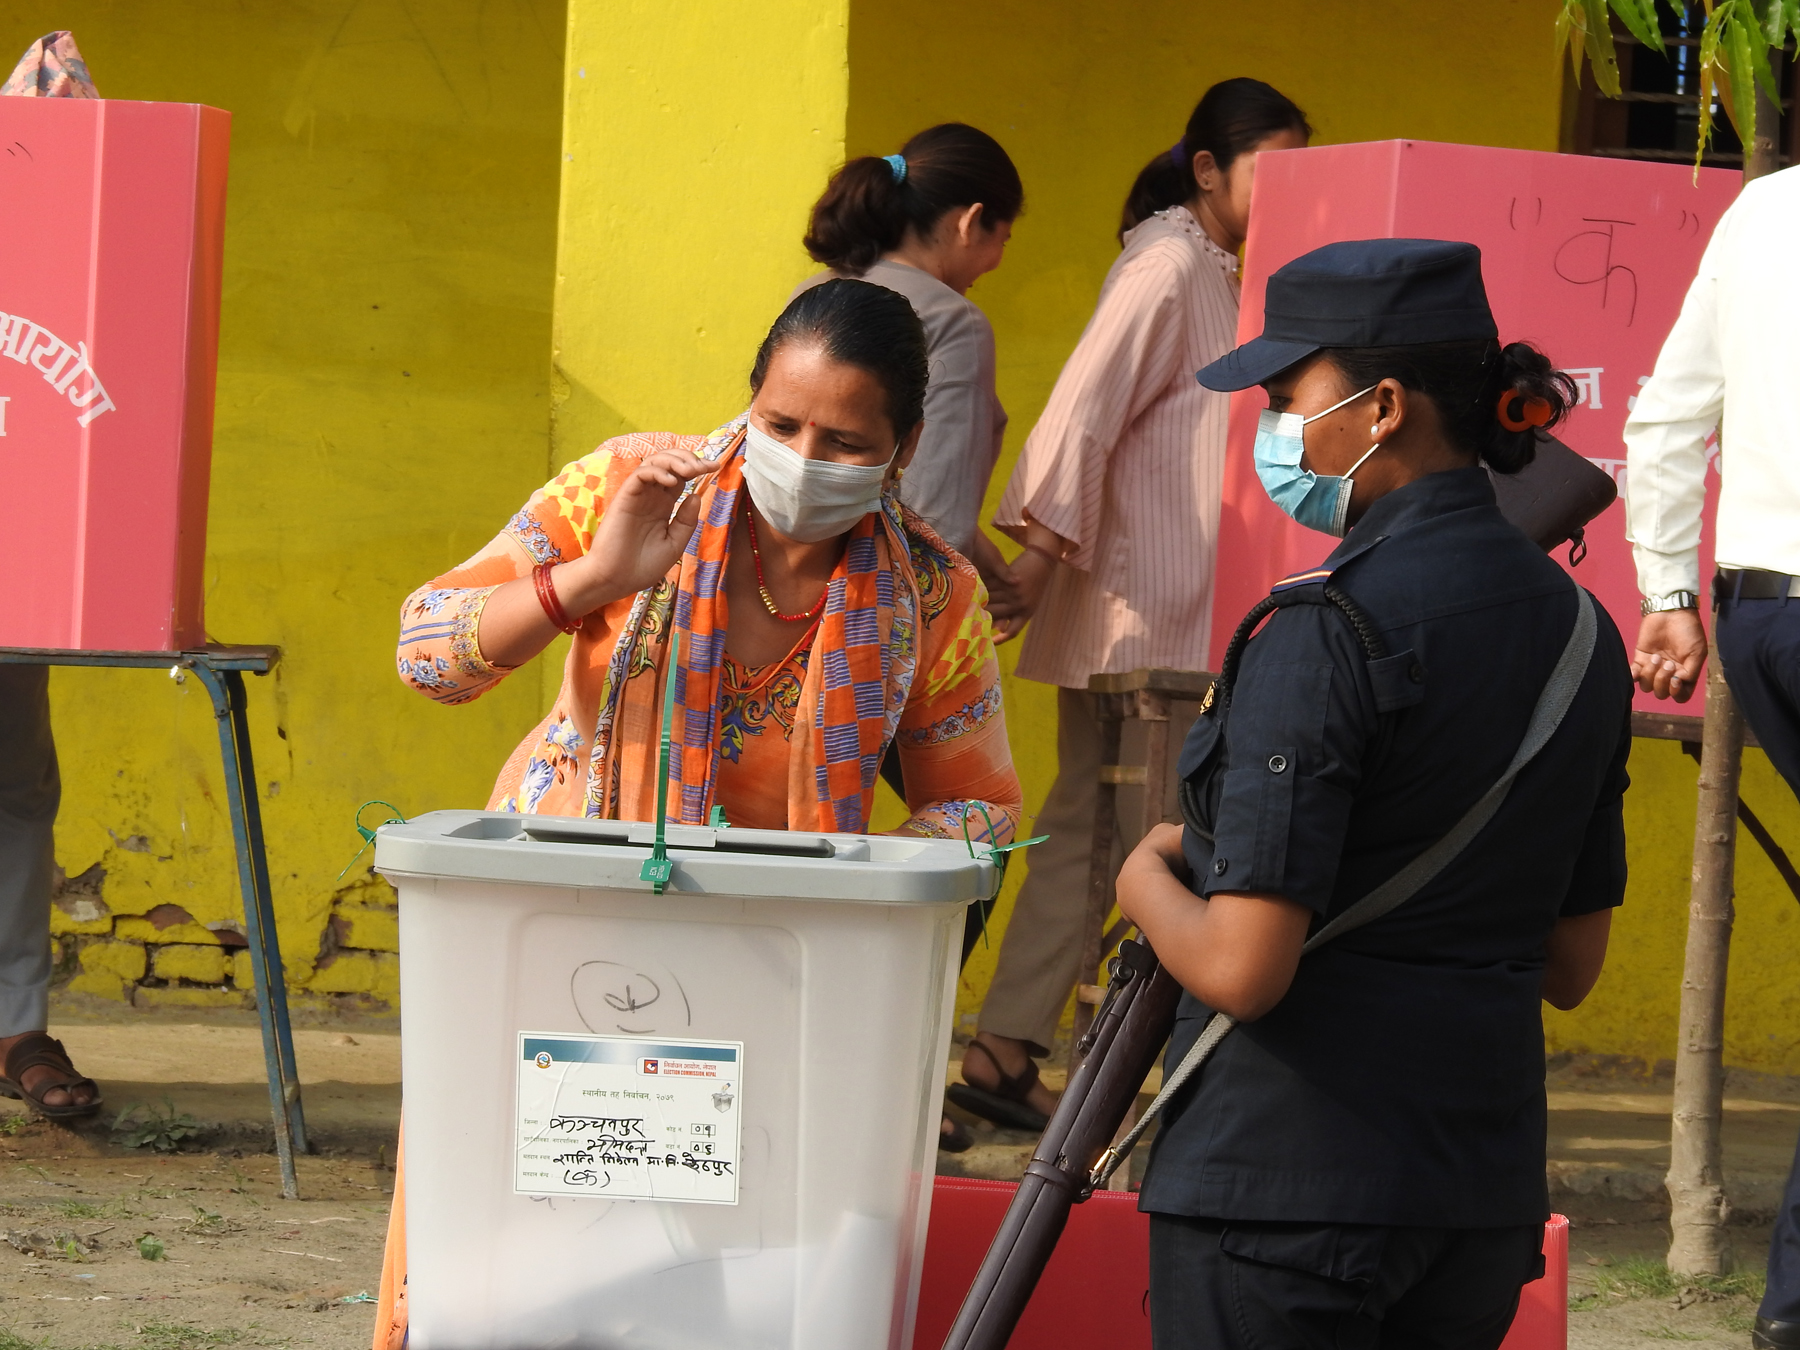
1317,501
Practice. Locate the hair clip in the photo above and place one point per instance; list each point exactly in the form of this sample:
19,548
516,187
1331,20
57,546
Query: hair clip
1535,412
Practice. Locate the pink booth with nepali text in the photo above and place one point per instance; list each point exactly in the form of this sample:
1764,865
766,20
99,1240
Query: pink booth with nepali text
1587,258
109,324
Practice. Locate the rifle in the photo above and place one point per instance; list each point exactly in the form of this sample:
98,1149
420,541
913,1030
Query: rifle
1120,1047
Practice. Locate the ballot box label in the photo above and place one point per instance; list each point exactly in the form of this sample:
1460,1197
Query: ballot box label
628,1118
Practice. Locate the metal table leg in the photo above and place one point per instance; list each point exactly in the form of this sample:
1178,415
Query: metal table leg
227,690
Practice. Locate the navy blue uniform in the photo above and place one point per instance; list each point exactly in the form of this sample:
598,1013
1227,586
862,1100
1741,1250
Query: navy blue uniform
1394,1100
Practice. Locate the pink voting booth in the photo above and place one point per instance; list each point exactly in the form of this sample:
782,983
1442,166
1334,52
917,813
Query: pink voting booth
110,252
1587,258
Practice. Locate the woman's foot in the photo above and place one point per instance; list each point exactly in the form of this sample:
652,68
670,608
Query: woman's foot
1013,1059
44,1077
1013,1099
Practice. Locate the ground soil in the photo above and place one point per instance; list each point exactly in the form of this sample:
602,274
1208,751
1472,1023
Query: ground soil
243,1267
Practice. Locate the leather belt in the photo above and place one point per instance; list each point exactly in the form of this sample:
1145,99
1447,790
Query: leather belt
1752,583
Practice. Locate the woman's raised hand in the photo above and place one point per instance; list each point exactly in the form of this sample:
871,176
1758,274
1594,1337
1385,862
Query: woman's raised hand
642,532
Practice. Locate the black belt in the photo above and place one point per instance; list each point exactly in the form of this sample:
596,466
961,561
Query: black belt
1749,583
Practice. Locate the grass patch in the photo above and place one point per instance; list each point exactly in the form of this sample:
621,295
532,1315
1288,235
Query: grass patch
178,1336
86,1209
8,1341
1670,1334
1645,1277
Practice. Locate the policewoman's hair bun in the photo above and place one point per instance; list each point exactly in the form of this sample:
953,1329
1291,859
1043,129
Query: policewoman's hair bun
1530,395
869,203
1493,400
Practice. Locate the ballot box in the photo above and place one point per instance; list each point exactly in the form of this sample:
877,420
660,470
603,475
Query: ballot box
110,248
1587,258
698,1119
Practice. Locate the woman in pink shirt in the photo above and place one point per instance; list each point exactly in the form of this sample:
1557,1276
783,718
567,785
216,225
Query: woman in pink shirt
1116,500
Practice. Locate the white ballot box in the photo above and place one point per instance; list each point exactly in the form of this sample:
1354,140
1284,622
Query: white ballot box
703,1119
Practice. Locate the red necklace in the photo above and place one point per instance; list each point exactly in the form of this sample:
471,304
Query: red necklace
762,586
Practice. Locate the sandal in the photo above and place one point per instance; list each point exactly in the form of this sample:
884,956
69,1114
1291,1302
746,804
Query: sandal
1005,1104
955,1139
38,1049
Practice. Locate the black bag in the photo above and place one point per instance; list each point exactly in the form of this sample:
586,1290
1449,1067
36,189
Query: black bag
1554,497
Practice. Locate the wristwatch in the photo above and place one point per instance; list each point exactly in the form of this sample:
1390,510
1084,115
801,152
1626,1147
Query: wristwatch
1662,604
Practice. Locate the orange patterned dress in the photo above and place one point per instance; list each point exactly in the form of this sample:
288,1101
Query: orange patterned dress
903,654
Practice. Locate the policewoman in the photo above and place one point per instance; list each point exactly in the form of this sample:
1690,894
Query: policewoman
1361,1160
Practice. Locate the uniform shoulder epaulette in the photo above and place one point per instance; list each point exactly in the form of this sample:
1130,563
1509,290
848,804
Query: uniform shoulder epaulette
1313,576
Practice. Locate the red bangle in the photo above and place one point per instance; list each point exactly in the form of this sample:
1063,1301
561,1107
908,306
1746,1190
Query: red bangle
546,594
1042,552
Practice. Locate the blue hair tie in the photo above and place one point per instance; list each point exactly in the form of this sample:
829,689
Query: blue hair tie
897,163
1178,151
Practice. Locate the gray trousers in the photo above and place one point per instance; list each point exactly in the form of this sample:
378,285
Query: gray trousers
30,789
1040,956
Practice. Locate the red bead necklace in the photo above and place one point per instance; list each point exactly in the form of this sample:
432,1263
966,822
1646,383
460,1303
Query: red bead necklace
762,586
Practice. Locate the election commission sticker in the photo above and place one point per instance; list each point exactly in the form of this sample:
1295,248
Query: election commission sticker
628,1118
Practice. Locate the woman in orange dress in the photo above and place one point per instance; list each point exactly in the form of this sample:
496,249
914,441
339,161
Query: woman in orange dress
819,620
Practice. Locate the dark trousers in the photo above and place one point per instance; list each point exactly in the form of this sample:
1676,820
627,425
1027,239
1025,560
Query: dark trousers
1218,1285
1759,645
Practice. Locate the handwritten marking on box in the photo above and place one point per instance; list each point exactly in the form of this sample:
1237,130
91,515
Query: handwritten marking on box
628,1118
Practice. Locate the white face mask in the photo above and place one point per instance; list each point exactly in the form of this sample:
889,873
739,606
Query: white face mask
808,499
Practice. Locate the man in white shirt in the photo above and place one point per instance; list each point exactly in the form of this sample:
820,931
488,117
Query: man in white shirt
1732,361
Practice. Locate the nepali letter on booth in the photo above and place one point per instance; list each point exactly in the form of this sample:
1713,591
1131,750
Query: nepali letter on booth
110,248
1587,258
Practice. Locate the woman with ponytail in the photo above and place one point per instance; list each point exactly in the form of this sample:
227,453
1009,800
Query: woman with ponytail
1116,499
928,222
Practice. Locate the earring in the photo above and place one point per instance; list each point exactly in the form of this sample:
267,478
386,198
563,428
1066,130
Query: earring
1375,430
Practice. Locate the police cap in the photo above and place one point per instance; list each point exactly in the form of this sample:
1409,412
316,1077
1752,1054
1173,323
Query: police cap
1361,293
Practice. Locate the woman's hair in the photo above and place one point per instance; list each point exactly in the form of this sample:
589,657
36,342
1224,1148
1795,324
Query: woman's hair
870,201
1232,117
1466,381
862,325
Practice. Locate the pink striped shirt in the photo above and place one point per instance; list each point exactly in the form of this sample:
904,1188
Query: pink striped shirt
1125,463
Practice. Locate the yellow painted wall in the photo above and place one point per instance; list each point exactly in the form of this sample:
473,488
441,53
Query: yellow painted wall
383,404
697,136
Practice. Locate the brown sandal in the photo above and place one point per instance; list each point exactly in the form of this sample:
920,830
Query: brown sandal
38,1049
1005,1103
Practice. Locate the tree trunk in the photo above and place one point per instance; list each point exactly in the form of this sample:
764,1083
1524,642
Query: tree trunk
1696,1182
1698,1209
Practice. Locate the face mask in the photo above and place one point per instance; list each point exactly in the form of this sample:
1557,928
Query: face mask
808,499
1317,501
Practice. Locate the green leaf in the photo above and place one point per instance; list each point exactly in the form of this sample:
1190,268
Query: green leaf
1639,18
1596,32
151,1248
1740,69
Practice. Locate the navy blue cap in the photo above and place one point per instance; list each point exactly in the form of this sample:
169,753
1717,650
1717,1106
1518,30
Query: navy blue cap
1361,293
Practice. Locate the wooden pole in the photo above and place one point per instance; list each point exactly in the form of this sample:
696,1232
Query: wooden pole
1697,1206
1698,1209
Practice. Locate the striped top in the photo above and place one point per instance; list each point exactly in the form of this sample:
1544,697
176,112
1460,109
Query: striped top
1125,463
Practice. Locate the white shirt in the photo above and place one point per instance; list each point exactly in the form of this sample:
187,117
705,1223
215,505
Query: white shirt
1735,351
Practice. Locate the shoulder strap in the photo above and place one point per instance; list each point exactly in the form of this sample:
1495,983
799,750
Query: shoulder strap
1553,703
